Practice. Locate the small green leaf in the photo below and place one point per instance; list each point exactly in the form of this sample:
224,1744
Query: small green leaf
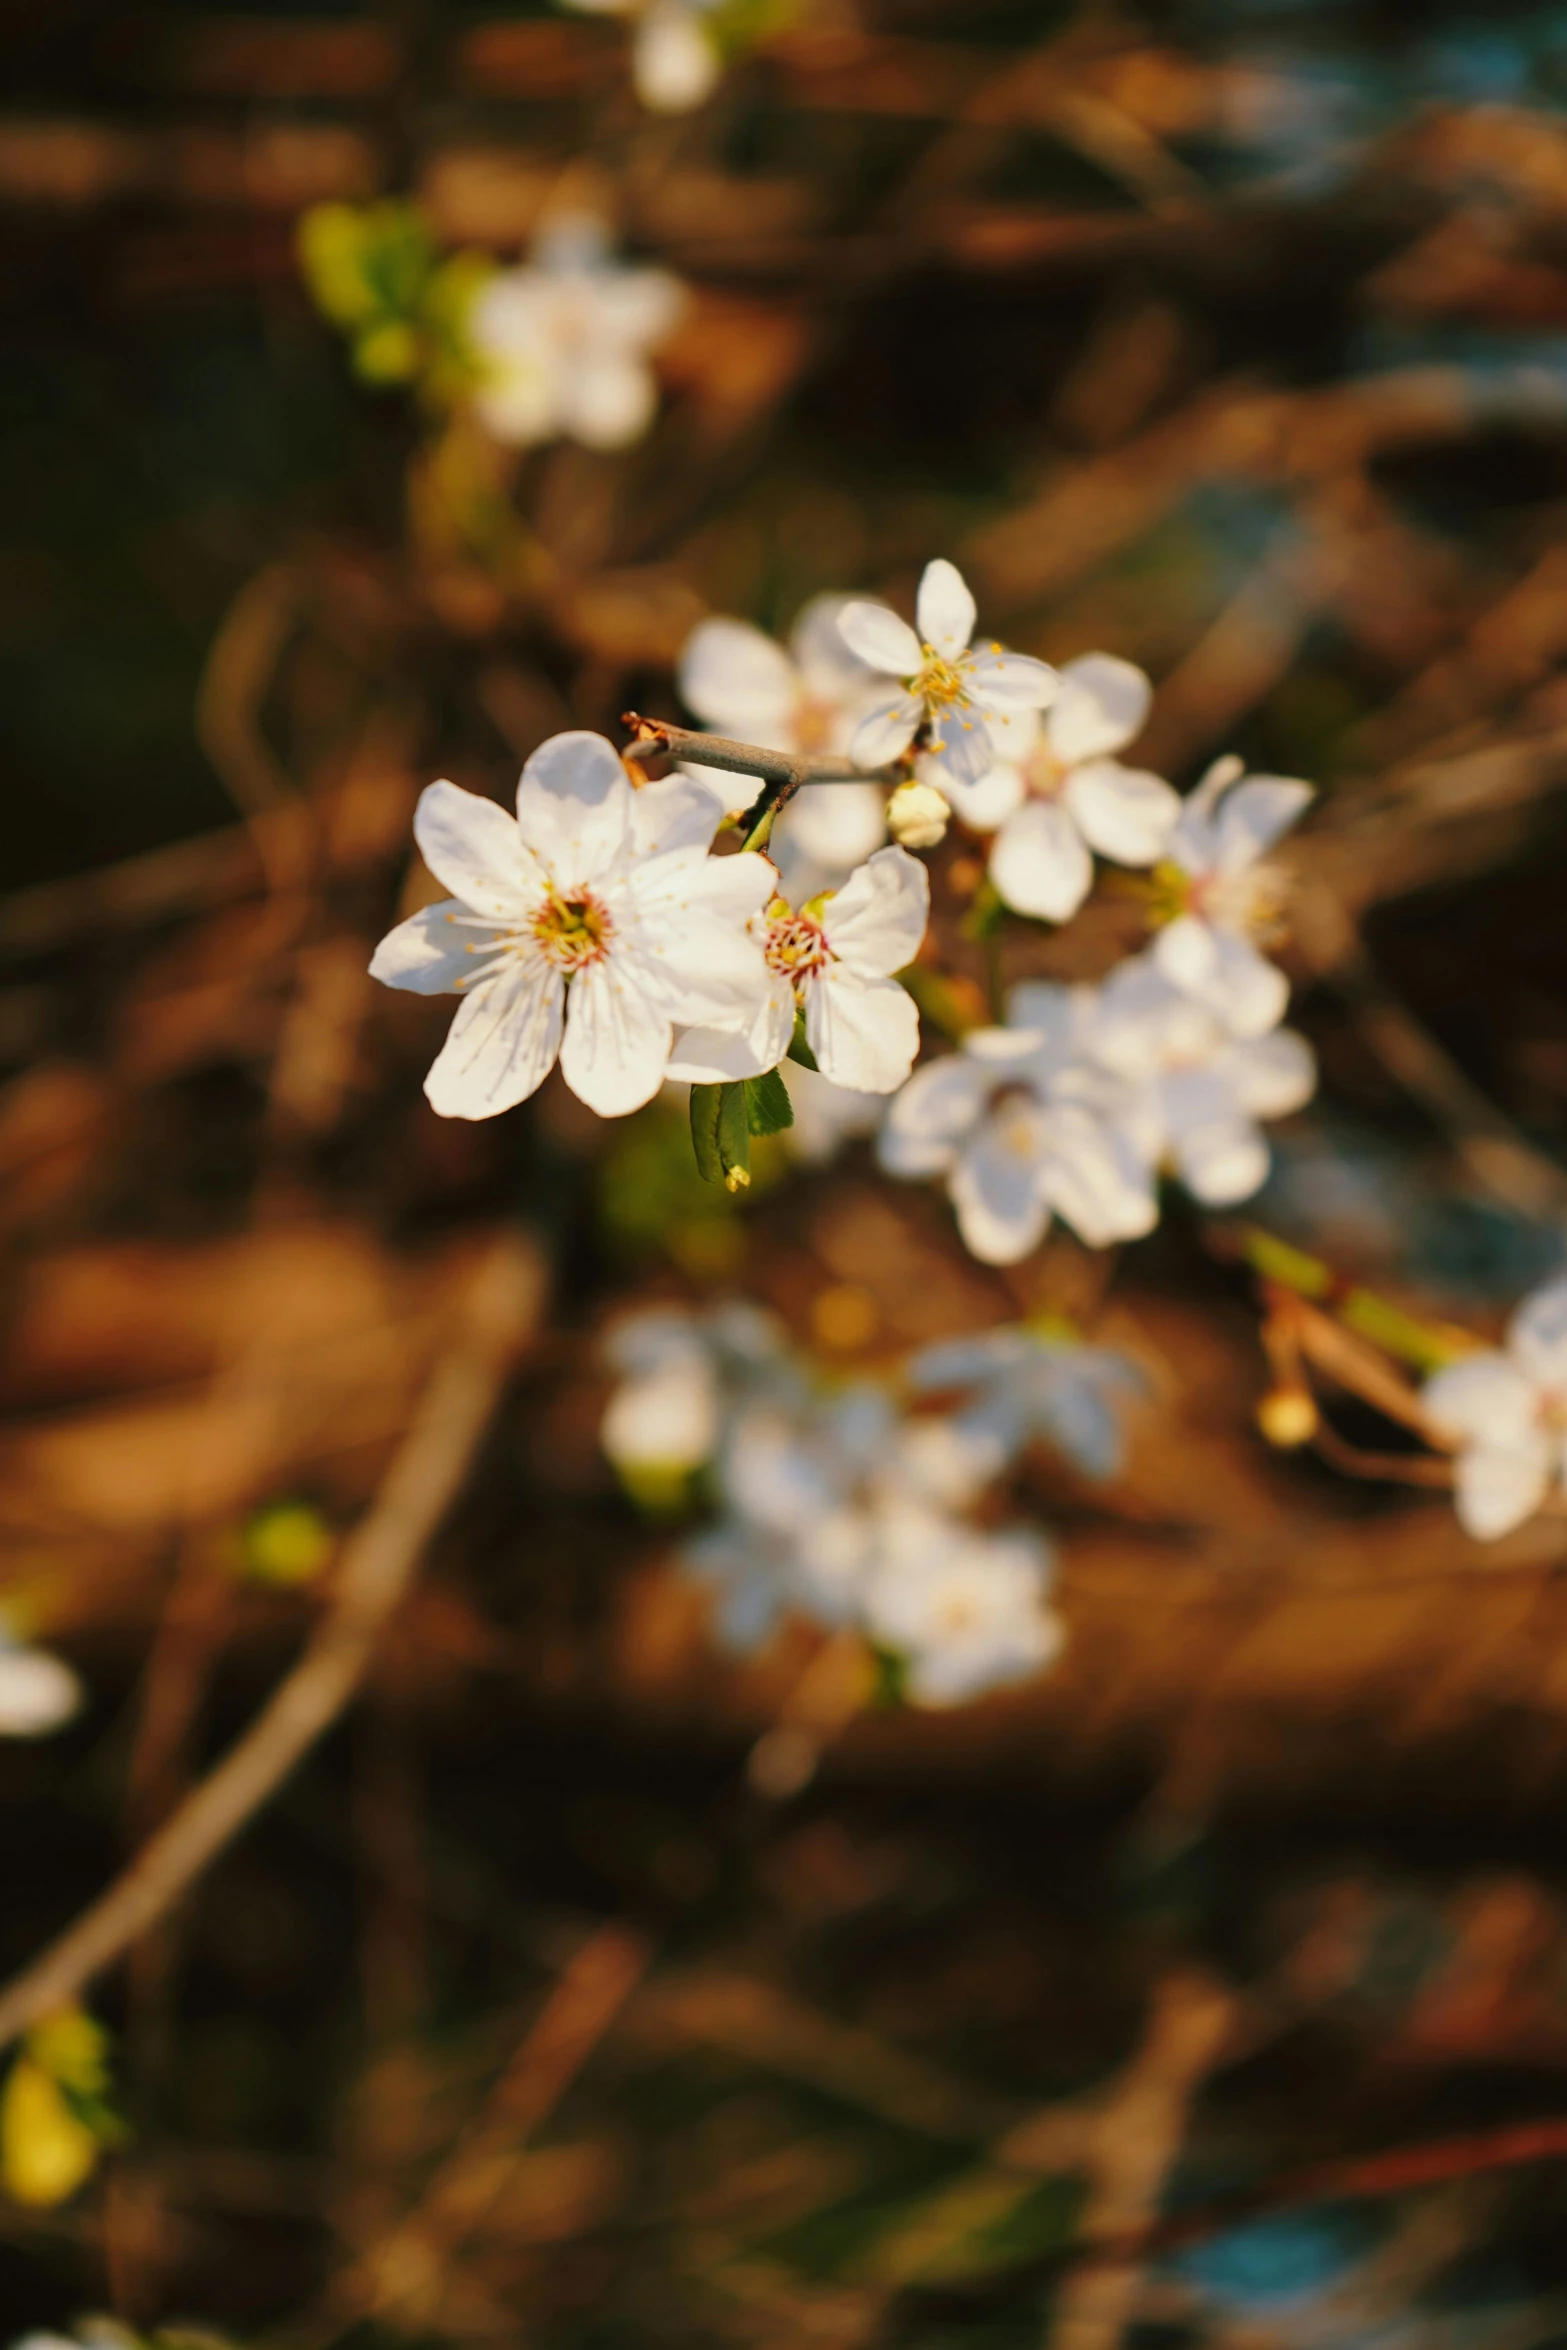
720,1134
799,1050
768,1109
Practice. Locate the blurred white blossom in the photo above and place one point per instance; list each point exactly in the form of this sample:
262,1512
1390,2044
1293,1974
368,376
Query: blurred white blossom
1226,898
1024,1382
1059,794
587,927
971,701
810,698
1505,1411
831,961
561,344
965,1609
38,1691
1194,1094
675,61
1016,1123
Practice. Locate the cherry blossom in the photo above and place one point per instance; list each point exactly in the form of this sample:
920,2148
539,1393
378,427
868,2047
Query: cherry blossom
963,1608
587,928
970,701
1059,795
831,961
1224,897
1505,1411
675,62
561,344
1194,1093
679,1374
1025,1382
808,698
38,1691
1015,1122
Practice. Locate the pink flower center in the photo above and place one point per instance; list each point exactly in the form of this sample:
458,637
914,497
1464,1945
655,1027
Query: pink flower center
795,947
575,930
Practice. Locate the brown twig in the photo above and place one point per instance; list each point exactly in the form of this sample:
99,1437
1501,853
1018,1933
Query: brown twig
379,1562
788,768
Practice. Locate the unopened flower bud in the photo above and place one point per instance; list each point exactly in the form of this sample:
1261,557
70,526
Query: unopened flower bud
917,816
1288,1418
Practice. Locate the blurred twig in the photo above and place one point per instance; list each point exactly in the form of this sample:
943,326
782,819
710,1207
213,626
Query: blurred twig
378,1563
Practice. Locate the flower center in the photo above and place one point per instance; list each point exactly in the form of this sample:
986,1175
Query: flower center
813,724
794,946
573,931
940,683
1551,1411
1043,774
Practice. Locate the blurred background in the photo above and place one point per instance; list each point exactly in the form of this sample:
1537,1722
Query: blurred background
1226,335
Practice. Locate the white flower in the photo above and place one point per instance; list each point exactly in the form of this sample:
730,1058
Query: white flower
562,343
597,912
1015,1123
826,1115
1227,897
1506,1412
964,1608
810,698
833,961
971,701
1193,1092
1025,1382
674,61
679,1374
1059,794
38,1692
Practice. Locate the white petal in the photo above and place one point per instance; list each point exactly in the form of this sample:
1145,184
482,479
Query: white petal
1486,1398
616,1042
880,639
1095,1178
1271,1076
1101,706
476,851
945,610
1123,812
885,732
1219,1154
633,307
939,1106
1224,971
502,1044
982,805
739,683
836,825
863,1031
829,670
38,1692
826,1114
1012,684
996,1185
607,399
694,969
731,888
681,812
713,1056
1253,815
1537,1334
962,743
1039,863
674,63
574,807
1142,1023
435,952
1496,1491
876,922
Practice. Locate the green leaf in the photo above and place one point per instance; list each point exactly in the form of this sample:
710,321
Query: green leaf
720,1134
799,1050
768,1109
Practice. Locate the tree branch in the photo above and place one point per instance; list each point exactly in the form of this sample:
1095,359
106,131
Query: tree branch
379,1562
789,768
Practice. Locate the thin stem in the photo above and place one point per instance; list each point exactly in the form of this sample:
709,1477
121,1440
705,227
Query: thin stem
787,770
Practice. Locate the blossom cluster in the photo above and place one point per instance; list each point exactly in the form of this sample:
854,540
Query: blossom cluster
843,1507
